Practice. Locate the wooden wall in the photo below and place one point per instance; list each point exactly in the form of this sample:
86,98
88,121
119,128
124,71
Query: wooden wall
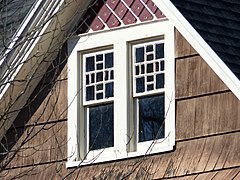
207,132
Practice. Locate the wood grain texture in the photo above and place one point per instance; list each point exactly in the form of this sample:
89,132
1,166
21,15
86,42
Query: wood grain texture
54,106
39,144
206,115
190,157
225,174
194,77
182,47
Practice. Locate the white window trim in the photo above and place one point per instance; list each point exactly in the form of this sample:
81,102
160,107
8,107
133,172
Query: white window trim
119,39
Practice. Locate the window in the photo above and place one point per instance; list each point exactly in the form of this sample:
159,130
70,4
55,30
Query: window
121,93
148,89
98,75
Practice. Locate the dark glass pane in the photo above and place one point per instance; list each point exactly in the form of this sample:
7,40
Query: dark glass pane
90,93
139,54
109,90
111,75
101,127
109,60
149,68
142,69
149,87
140,85
151,118
149,57
99,57
92,78
157,66
99,96
159,51
106,75
162,65
149,48
87,79
159,81
99,66
99,76
99,87
90,64
149,78
137,70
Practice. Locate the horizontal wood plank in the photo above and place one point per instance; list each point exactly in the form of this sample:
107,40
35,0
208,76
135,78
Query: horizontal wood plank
38,144
182,47
190,157
203,116
194,77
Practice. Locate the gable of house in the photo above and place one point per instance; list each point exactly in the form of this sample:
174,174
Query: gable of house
207,130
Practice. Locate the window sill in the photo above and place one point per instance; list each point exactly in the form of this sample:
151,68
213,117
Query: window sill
151,148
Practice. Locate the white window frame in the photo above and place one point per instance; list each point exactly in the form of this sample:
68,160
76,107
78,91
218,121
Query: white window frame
120,40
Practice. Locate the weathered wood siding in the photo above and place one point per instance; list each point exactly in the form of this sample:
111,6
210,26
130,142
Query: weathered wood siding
207,133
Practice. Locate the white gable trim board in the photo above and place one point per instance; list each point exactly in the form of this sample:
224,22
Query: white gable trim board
200,45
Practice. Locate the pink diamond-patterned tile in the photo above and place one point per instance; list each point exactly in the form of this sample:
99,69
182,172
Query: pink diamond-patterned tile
129,18
97,24
145,15
113,21
137,7
152,6
104,13
99,14
113,3
121,10
159,14
128,2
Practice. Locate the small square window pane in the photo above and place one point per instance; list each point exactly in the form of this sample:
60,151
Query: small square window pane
99,96
150,87
109,60
149,68
151,118
90,64
99,76
101,127
100,66
159,51
159,81
140,85
149,57
149,78
109,90
149,48
90,93
139,54
99,87
99,57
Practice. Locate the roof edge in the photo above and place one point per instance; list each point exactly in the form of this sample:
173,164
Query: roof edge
33,56
200,45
